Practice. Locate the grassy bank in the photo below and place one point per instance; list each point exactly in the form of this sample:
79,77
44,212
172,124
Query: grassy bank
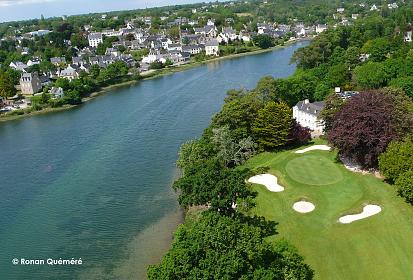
378,247
152,74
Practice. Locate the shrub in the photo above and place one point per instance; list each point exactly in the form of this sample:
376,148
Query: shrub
397,159
299,135
404,184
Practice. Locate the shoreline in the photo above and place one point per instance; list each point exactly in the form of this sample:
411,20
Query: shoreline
151,74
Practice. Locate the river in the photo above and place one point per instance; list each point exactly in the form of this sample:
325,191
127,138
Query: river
94,182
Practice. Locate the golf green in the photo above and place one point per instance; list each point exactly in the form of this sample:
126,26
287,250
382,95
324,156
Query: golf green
313,170
378,247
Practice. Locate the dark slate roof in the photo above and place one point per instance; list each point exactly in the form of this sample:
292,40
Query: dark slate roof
96,35
311,108
191,47
212,43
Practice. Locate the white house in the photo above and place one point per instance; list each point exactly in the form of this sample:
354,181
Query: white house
227,34
208,30
392,5
69,73
154,55
221,38
140,35
112,32
211,22
193,49
263,27
300,30
57,92
320,28
212,47
19,66
245,36
33,61
374,8
165,42
39,33
230,33
408,36
174,47
307,115
58,60
95,39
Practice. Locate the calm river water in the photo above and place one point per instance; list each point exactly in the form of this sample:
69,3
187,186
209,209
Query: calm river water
94,182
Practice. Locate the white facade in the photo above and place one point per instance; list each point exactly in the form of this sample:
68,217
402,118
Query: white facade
320,28
95,39
193,49
212,48
112,33
306,114
408,37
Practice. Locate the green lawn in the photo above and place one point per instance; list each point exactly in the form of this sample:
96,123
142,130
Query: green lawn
379,247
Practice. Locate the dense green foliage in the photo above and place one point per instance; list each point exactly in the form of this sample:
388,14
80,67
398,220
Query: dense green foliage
396,164
333,104
368,54
211,183
272,125
263,41
238,113
219,247
404,184
405,83
397,159
230,151
6,85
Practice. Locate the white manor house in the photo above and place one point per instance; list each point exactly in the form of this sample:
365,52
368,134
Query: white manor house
307,115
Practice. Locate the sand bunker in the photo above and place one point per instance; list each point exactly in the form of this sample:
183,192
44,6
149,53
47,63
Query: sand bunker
303,206
368,210
268,180
314,147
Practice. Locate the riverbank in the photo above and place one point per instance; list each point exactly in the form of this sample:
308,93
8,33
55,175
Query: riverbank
151,74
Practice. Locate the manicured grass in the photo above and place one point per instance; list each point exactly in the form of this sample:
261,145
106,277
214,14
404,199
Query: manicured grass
313,170
379,247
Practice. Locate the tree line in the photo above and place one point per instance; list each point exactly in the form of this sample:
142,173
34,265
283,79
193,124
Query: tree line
224,242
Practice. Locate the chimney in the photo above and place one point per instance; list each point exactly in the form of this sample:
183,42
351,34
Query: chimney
306,101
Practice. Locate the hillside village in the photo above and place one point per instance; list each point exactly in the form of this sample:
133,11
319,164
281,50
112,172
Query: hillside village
137,48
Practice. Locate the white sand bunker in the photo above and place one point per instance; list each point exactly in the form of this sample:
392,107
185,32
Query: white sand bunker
303,206
314,147
368,210
268,180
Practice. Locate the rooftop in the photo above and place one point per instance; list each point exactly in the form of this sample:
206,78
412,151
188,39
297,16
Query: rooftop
310,108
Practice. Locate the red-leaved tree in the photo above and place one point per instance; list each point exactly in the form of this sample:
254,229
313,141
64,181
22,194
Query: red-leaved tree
367,123
299,135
